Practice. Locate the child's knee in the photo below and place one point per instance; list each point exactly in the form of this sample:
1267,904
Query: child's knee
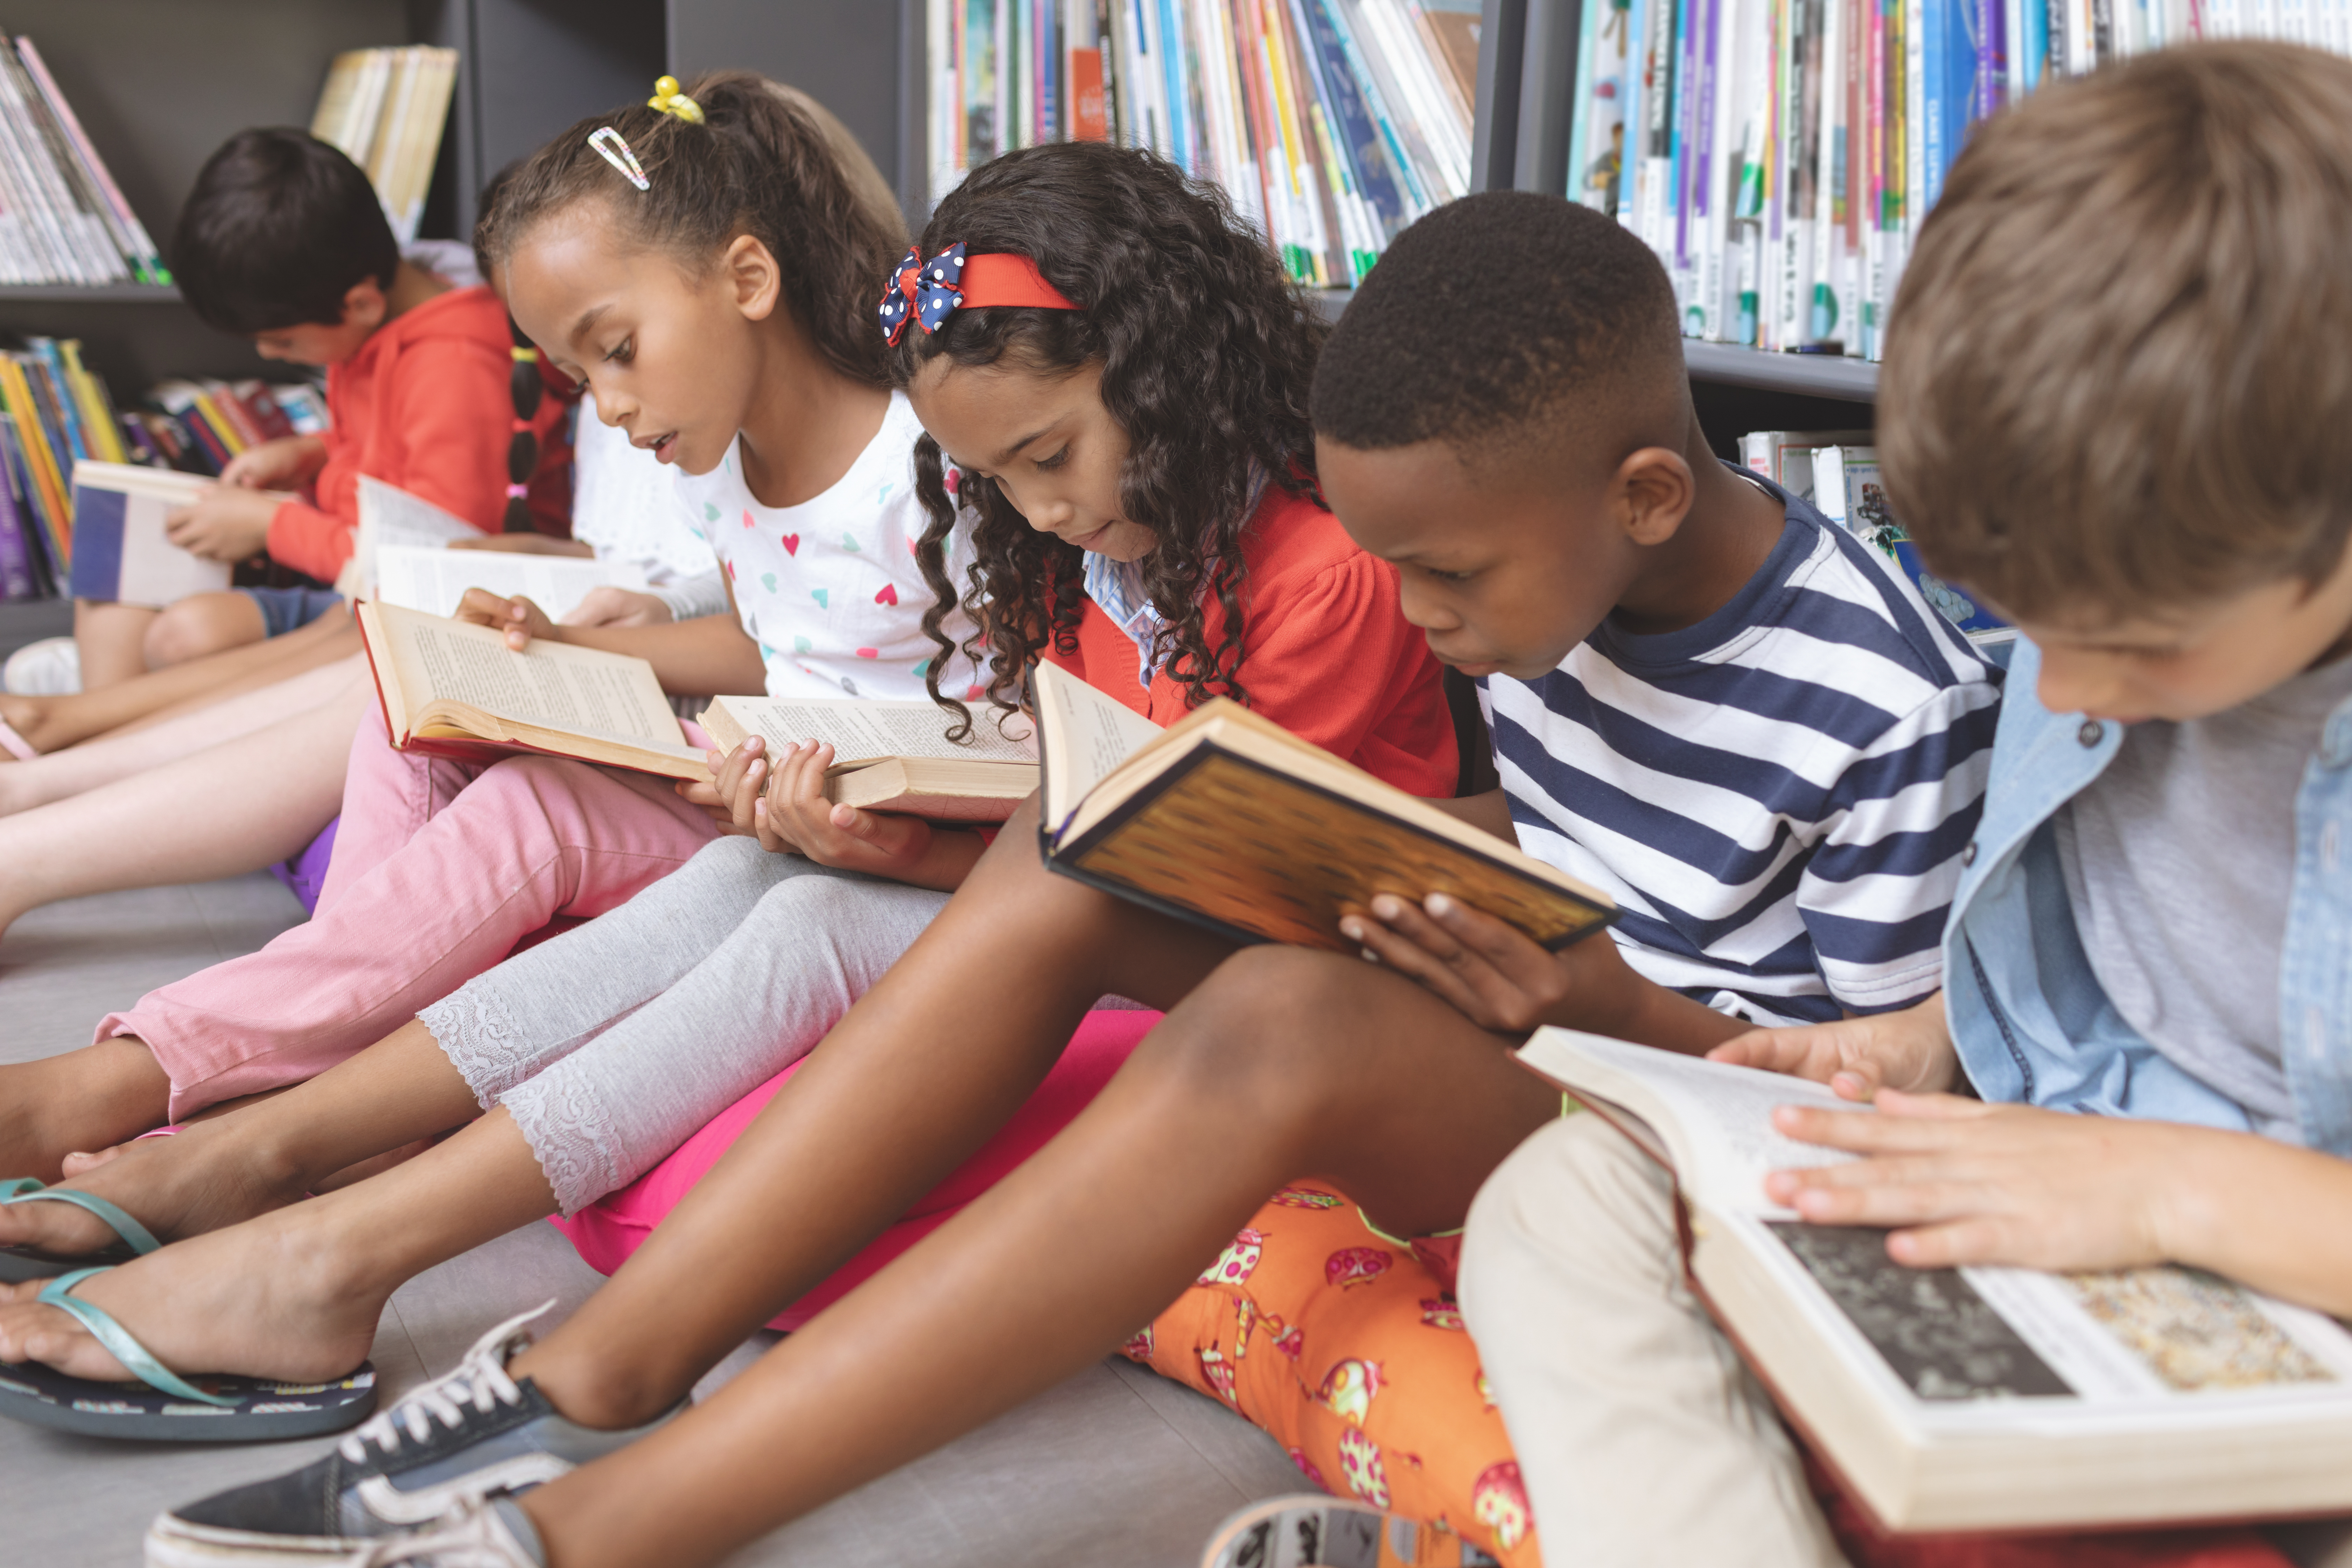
1271,1026
199,625
1578,1188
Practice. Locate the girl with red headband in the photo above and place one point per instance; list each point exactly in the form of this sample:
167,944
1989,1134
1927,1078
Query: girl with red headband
1132,483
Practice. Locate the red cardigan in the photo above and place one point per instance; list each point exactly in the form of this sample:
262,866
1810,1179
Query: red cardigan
1325,651
424,405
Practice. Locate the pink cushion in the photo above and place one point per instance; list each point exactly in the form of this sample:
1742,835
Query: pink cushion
616,1225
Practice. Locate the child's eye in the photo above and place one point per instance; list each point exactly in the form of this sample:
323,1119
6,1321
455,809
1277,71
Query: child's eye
1447,576
622,352
1056,461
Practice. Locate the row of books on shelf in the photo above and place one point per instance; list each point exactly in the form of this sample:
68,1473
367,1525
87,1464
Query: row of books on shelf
55,414
1331,124
62,217
1837,471
386,109
1779,155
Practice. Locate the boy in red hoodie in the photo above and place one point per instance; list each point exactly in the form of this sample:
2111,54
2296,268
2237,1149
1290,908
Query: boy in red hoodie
284,241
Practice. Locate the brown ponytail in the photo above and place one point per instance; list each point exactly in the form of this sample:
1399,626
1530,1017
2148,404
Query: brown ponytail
767,162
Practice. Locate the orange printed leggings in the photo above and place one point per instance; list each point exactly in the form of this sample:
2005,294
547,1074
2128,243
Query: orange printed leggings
1347,1347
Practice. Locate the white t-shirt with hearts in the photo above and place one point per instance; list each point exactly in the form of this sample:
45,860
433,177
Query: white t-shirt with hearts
830,588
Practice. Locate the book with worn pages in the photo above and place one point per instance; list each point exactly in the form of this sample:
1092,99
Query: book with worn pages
451,689
894,756
1229,821
1978,1398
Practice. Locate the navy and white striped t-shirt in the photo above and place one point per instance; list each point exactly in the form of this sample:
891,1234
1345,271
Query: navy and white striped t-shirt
1778,796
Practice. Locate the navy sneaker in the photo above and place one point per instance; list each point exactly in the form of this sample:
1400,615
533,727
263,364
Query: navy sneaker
472,1434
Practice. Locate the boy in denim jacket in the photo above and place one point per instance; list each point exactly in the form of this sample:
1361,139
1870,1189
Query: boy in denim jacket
2115,404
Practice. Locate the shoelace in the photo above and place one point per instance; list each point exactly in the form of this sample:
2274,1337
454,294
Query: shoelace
480,1382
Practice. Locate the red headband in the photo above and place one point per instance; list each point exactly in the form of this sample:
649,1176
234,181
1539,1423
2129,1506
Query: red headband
930,291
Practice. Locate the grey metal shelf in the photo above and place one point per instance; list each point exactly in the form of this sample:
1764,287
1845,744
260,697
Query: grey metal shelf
89,294
1809,376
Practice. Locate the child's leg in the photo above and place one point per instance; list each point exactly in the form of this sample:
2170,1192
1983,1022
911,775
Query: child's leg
1287,1063
612,1105
54,724
94,763
501,1028
1641,1437
112,641
236,807
203,623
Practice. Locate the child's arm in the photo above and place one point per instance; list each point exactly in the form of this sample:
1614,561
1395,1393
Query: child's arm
1968,1182
1909,1049
1501,979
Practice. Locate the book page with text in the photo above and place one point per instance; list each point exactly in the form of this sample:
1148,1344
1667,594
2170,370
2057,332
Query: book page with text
1083,735
548,684
862,731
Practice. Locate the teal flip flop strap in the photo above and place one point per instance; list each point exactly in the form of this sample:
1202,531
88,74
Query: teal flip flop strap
25,1190
118,1341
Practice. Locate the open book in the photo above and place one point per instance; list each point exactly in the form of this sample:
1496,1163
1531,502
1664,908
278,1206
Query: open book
1978,1398
1229,821
893,756
400,554
454,689
121,552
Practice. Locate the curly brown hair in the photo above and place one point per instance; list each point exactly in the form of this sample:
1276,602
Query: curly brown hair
767,162
1207,354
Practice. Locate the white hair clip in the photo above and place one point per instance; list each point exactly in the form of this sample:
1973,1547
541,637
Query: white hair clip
614,151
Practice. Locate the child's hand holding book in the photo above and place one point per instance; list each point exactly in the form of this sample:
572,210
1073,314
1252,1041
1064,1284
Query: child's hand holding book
1499,978
1910,1049
518,618
228,523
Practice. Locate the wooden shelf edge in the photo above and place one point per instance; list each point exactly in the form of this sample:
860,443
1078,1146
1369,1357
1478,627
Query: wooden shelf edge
1813,376
87,294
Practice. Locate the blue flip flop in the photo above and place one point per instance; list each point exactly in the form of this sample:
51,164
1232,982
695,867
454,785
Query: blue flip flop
19,1263
163,1406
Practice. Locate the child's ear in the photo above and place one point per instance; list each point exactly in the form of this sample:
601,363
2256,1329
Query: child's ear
1653,488
753,276
364,305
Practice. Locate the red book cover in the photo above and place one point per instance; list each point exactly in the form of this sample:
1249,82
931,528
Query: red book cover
1087,122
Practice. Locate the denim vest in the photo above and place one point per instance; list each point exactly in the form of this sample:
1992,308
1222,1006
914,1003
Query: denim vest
2030,1020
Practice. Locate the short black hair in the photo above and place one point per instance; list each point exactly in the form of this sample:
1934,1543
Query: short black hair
1489,314
279,227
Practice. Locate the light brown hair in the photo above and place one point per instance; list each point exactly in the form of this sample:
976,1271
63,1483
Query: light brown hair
770,163
2117,380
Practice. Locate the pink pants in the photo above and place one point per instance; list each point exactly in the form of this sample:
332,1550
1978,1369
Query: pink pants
608,1230
440,868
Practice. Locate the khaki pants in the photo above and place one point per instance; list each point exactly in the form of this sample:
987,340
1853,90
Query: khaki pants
1641,1439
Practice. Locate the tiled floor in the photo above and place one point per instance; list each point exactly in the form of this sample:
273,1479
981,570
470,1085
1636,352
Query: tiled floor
1115,1468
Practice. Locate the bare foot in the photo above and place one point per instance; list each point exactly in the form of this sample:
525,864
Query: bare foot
87,1099
201,1178
28,716
276,1298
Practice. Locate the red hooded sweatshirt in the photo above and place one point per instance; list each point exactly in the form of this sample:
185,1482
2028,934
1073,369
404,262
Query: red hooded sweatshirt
424,405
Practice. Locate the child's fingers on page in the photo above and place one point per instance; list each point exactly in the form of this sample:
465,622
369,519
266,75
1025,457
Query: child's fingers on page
1977,1238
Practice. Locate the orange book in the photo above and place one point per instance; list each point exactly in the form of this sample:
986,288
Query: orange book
1087,120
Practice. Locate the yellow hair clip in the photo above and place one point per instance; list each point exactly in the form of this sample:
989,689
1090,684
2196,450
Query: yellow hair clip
670,100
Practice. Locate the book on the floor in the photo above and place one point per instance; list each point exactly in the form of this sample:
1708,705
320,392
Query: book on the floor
1978,1398
1229,821
452,689
893,756
435,579
121,554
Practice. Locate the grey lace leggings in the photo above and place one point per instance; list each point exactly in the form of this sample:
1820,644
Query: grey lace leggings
612,1044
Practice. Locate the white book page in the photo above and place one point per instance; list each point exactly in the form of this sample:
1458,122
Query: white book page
1085,735
435,579
388,516
1716,1120
862,731
547,684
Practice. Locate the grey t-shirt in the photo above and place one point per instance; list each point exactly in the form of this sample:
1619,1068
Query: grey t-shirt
2178,861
